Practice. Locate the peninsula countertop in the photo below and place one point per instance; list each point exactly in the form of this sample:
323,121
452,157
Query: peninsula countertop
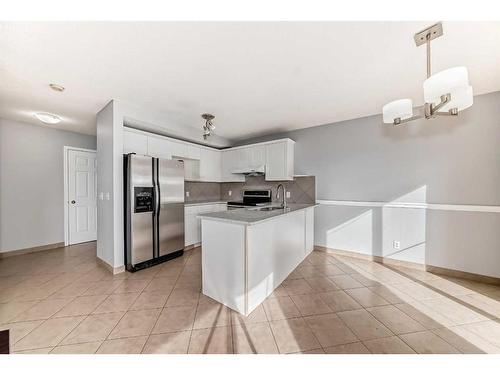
204,202
251,216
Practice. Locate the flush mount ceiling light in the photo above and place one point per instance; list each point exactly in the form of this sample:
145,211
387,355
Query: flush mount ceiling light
56,87
47,118
208,127
445,93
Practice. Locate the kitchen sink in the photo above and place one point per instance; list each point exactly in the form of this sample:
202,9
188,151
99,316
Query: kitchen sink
272,208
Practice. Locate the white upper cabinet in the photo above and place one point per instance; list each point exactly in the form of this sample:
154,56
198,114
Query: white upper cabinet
194,152
231,161
159,147
135,142
279,160
179,149
212,165
275,156
257,156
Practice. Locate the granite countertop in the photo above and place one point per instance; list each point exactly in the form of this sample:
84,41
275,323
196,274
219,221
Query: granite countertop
250,216
203,202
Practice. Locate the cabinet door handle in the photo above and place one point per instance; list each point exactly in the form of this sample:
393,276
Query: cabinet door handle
73,202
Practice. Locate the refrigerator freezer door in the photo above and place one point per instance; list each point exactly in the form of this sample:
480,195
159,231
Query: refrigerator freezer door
140,209
171,206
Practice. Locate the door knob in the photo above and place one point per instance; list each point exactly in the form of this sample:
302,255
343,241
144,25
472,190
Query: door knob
73,202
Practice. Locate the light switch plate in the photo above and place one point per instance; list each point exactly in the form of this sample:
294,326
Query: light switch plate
187,194
230,192
288,194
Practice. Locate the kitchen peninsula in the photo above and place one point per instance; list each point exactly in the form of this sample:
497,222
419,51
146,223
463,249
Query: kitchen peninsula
247,253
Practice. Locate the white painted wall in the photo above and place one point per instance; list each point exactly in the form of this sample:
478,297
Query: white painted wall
105,185
32,183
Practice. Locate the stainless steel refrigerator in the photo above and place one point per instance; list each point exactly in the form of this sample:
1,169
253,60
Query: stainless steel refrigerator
154,210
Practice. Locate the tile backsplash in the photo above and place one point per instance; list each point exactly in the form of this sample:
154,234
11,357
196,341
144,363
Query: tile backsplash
202,191
302,189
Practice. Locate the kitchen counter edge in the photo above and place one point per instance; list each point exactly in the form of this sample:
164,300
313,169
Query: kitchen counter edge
219,216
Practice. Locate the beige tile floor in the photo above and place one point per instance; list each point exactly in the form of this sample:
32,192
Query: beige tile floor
63,301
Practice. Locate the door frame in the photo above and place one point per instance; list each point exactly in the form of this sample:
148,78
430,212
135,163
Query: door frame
67,149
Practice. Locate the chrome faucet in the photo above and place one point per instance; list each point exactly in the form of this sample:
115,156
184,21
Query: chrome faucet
283,201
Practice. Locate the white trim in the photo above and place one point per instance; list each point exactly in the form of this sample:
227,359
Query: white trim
66,149
426,206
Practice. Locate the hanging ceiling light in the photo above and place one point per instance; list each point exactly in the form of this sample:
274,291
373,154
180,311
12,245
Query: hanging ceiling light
209,126
445,93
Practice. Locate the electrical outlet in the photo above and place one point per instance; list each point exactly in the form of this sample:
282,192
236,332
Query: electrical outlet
230,192
187,194
288,194
396,245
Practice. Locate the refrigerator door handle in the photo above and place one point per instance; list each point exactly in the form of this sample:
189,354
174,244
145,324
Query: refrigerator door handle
156,208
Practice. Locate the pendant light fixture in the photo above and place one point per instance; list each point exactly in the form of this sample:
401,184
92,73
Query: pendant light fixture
445,93
209,126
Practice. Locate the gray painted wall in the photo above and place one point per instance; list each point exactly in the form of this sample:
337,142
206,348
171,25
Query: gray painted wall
458,159
31,183
443,160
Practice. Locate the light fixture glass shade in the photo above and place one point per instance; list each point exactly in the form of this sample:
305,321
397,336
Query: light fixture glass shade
460,99
47,118
445,82
402,109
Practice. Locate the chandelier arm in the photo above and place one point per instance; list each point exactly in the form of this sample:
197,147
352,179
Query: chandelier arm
444,100
398,121
451,112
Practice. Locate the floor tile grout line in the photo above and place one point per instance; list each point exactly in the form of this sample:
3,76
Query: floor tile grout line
80,322
195,311
425,285
88,315
166,301
124,313
444,339
474,333
301,317
364,271
398,335
468,330
50,317
271,328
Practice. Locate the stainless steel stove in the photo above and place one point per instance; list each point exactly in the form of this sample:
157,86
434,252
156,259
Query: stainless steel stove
252,198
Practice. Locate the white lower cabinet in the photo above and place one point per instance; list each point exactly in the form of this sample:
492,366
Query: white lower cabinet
242,264
190,232
192,225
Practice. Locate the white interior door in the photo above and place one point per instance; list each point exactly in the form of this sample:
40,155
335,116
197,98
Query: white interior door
82,196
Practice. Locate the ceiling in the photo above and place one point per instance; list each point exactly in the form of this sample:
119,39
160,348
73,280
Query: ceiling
256,77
